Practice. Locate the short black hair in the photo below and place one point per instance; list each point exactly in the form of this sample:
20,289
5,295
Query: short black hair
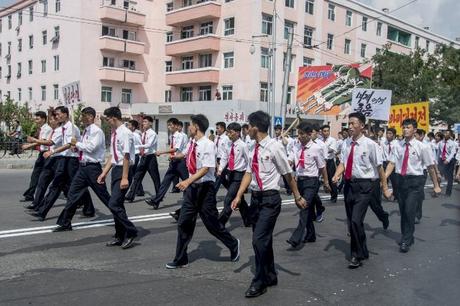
62,109
222,125
234,126
261,120
359,116
420,132
326,126
41,114
180,123
148,118
305,127
89,111
113,112
245,126
278,127
409,121
201,121
440,135
392,130
344,130
430,135
134,123
173,121
315,127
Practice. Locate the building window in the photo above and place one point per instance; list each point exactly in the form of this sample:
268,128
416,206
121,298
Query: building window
205,93
186,32
31,13
206,28
58,6
129,64
363,50
18,75
43,66
330,41
229,59
45,7
126,95
307,36
309,6
129,35
169,37
30,67
1,29
187,62
288,25
19,18
379,29
289,95
205,60
349,18
169,6
19,45
56,91
56,63
10,22
347,49
227,92
106,94
289,3
168,66
399,36
167,95
43,93
187,3
290,64
108,31
229,26
267,24
108,62
427,45
264,92
307,61
31,41
364,24
331,12
19,94
186,94
417,41
30,93
264,58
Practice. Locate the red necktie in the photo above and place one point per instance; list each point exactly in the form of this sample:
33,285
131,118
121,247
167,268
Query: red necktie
217,143
114,145
191,158
172,145
80,157
405,160
37,147
301,162
389,148
255,166
63,130
231,161
349,167
51,137
142,150
444,152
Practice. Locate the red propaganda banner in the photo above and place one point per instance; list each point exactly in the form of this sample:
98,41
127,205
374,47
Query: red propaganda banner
418,111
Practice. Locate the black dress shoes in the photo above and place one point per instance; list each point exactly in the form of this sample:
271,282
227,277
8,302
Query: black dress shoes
235,254
114,242
174,215
150,202
292,244
354,263
30,206
386,223
175,190
309,240
36,214
129,243
61,228
404,248
23,200
254,291
273,282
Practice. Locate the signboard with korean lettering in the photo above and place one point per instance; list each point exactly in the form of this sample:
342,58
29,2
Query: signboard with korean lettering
72,93
418,111
373,103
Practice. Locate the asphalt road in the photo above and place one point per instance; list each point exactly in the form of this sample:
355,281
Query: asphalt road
38,267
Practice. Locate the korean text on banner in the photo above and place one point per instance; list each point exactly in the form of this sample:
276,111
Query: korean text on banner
373,103
418,111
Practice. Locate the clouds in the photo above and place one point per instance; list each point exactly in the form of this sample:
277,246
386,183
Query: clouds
442,16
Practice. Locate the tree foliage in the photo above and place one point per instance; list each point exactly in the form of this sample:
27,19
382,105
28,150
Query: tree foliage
10,111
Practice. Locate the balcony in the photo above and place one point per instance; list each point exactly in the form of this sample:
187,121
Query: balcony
194,13
115,44
207,43
111,13
208,75
121,75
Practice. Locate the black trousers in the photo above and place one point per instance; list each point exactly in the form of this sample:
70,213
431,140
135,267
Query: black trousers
330,168
65,169
147,163
358,194
200,199
449,174
393,179
222,179
34,177
410,192
45,178
318,204
132,170
308,187
234,182
263,213
376,203
418,211
176,168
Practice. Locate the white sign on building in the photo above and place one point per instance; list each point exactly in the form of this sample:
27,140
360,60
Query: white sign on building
72,93
373,103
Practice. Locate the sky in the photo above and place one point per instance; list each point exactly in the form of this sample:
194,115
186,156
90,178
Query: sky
442,16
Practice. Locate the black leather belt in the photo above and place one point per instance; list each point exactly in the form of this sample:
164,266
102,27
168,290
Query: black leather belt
265,193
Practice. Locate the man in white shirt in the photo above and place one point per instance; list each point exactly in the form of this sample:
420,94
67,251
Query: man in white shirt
148,162
447,151
317,202
133,126
245,136
177,168
408,160
267,163
174,189
221,141
44,130
200,195
331,147
287,143
361,165
388,146
235,159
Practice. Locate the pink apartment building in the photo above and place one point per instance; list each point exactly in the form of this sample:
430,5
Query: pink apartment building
175,57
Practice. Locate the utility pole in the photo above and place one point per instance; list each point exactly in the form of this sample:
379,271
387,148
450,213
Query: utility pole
273,71
287,72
